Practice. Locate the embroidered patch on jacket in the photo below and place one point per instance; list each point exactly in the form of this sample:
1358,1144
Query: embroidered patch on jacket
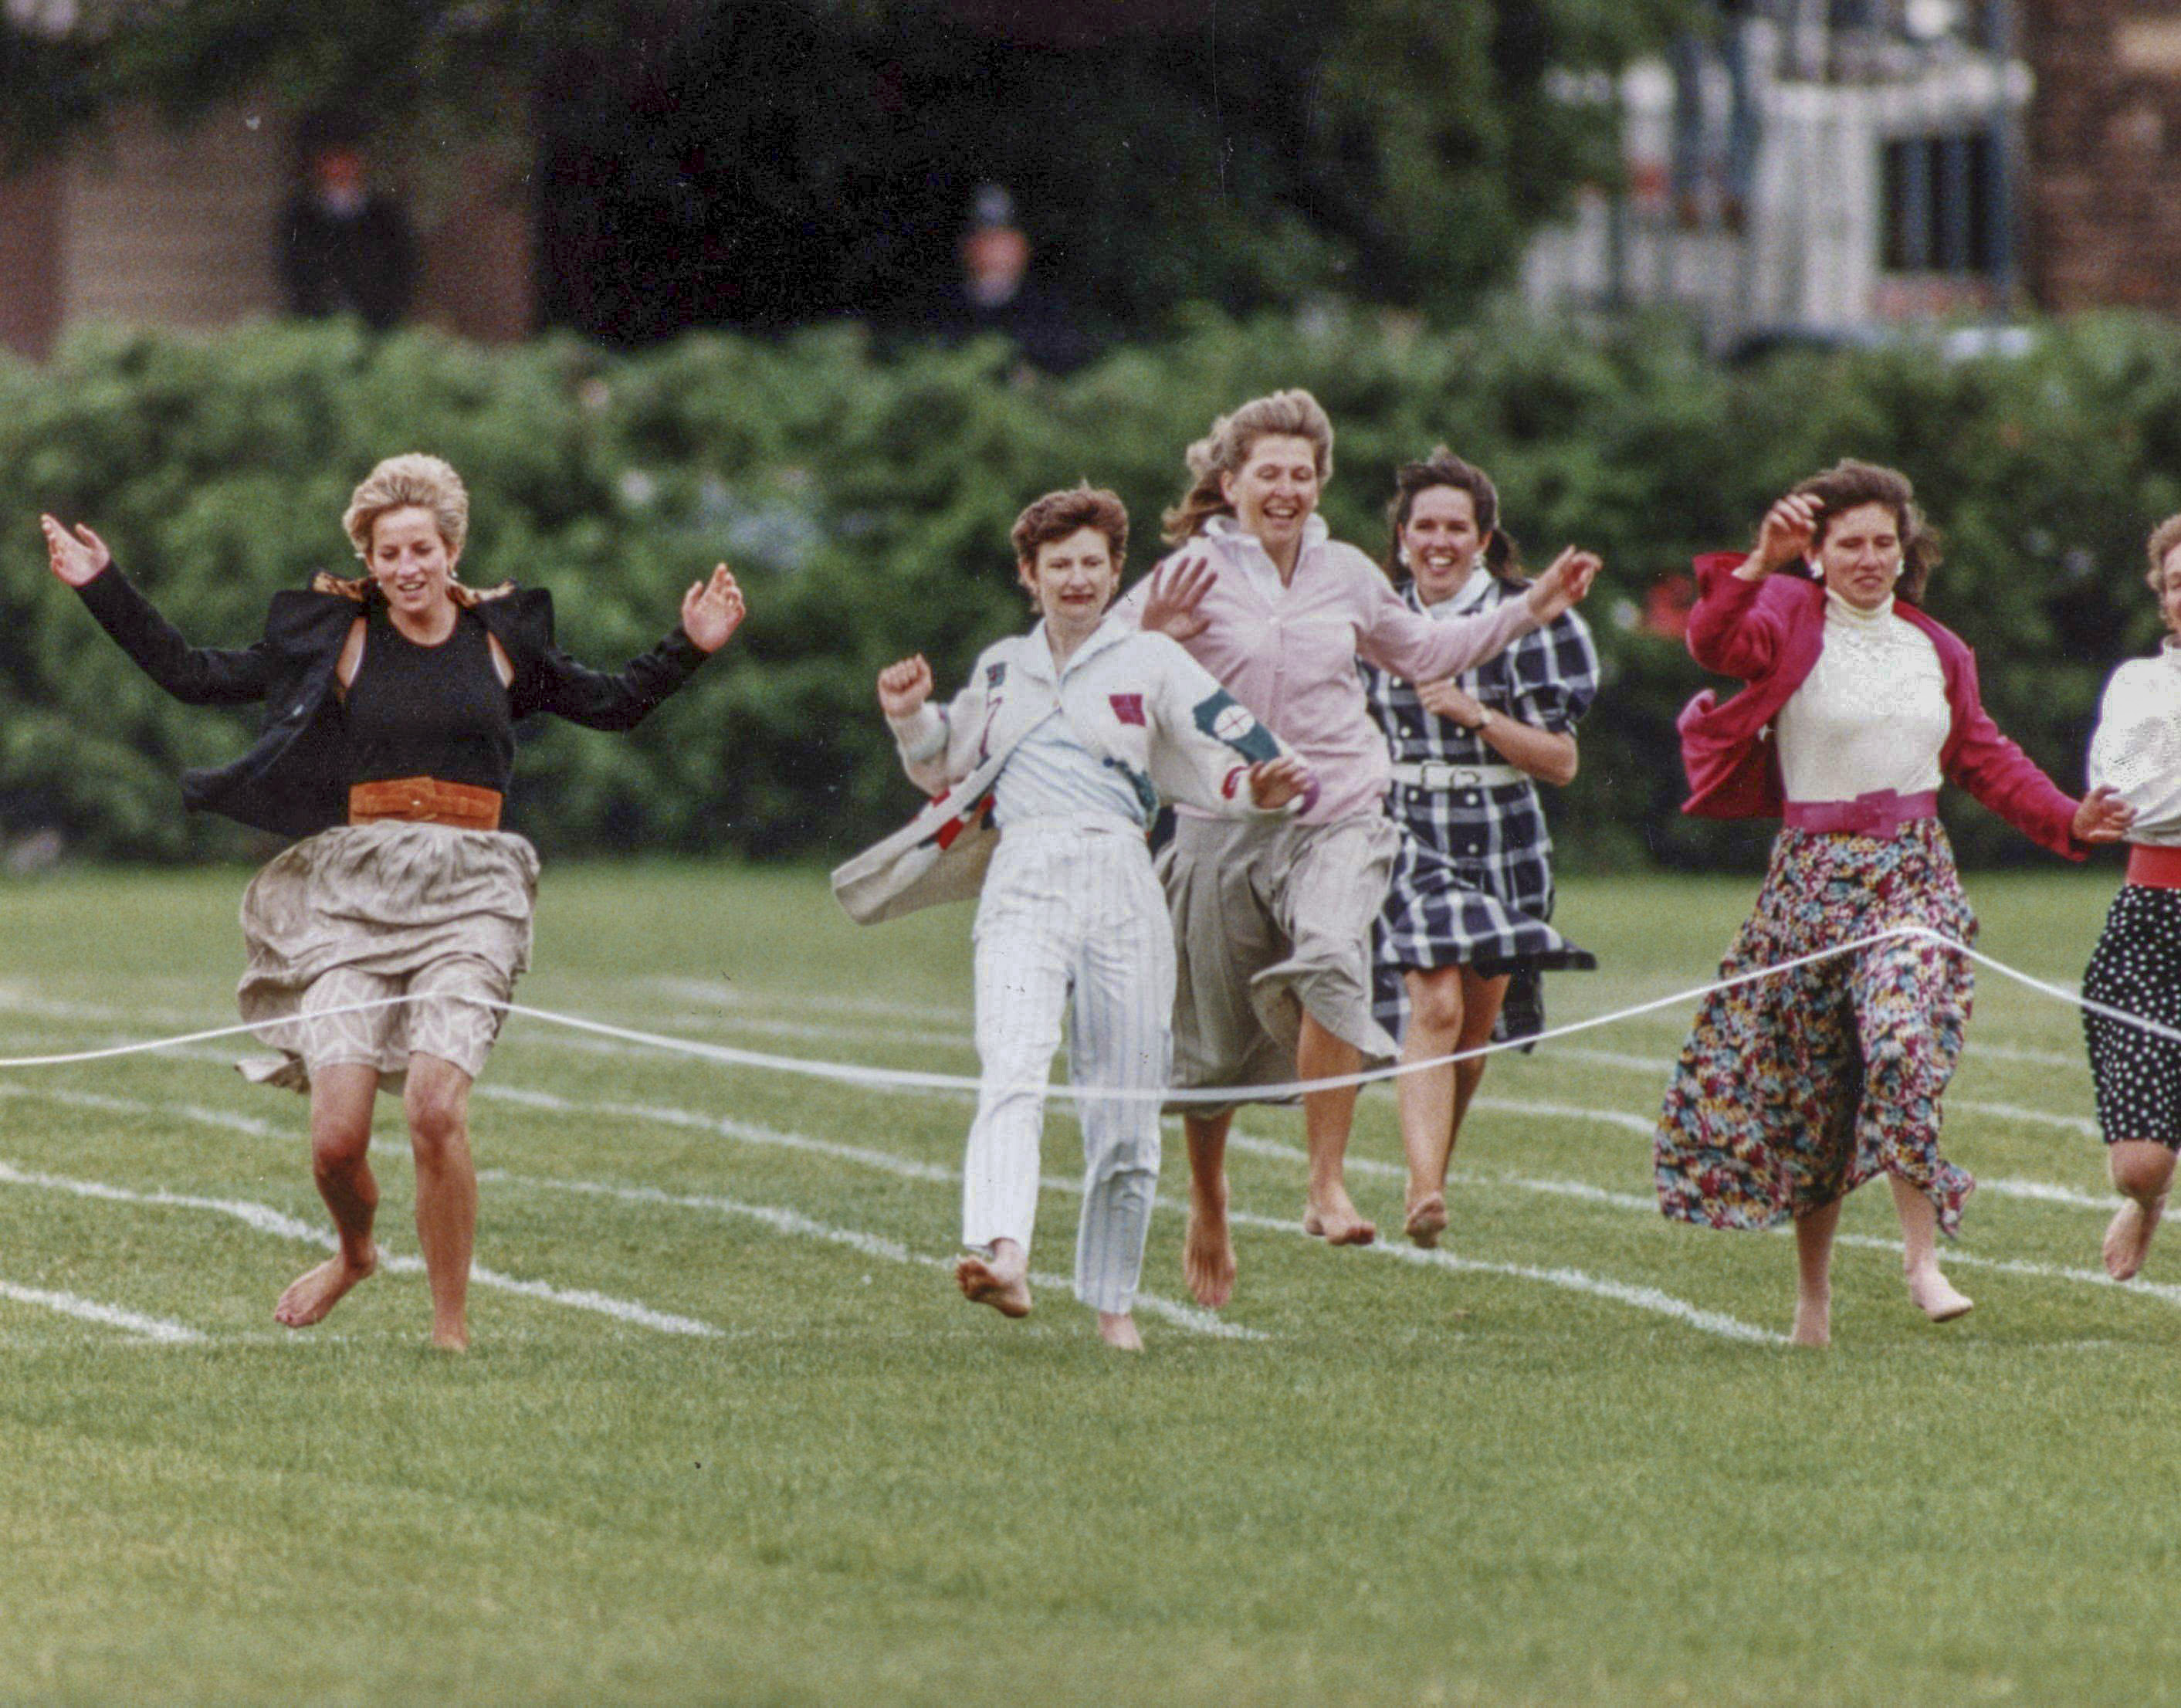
995,674
1129,707
1226,719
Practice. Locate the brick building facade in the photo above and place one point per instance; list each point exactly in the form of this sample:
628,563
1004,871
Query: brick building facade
150,225
2104,190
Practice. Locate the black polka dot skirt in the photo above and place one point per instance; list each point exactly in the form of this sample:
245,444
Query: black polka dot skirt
2136,968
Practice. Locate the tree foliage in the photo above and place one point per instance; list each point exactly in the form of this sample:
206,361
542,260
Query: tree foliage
753,164
865,499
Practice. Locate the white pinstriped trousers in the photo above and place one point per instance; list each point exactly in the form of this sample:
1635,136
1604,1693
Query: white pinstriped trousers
1071,917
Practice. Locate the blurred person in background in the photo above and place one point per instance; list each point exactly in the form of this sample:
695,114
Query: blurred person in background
2136,967
1793,1090
385,941
345,246
1066,738
1274,921
999,291
1466,925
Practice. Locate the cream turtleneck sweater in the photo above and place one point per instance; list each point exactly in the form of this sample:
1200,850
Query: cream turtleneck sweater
1871,714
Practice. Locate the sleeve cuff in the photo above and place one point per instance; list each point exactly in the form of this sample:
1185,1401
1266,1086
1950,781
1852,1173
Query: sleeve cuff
921,736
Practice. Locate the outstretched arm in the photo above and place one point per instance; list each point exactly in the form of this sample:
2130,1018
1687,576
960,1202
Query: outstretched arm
711,611
196,675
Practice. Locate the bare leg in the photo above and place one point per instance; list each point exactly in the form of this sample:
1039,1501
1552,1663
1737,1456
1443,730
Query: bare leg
1814,1276
437,1106
1208,1251
2142,1170
1426,1098
1002,1281
1936,1296
341,1145
1117,1329
1327,1117
1451,1010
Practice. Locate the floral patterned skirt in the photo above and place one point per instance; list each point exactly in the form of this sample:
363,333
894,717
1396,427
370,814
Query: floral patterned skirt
1794,1090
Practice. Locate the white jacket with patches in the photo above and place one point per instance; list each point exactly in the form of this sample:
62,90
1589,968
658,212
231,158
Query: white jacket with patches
1134,700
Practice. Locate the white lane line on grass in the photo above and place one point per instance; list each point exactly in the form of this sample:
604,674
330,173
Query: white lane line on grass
746,1132
158,1328
722,995
265,1219
223,1118
1641,1298
2045,1192
795,1223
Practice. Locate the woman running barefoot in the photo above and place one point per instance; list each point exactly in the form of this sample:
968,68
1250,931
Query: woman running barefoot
387,750
1792,1091
1472,887
1069,736
2136,967
1274,921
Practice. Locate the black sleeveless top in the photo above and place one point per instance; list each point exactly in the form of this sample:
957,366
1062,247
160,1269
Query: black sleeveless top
434,711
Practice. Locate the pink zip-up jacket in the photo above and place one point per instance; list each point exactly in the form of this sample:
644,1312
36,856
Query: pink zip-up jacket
1770,632
1288,654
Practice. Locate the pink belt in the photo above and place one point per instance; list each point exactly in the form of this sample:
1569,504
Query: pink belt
1882,813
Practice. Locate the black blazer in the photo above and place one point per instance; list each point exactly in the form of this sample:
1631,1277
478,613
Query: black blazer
291,781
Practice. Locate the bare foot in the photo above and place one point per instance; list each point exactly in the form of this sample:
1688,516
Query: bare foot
2128,1236
316,1291
1003,1283
1427,1220
1813,1321
1119,1328
454,1340
1207,1258
1338,1224
1936,1297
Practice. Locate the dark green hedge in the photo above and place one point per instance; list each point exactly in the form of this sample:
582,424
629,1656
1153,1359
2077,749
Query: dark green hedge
865,503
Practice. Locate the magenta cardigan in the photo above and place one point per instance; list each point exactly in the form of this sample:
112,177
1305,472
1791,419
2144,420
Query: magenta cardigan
1770,632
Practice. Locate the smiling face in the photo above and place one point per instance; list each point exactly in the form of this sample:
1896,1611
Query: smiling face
1440,541
1275,490
1860,554
1074,579
410,561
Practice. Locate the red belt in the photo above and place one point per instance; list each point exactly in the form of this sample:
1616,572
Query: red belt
2154,868
1881,812
425,801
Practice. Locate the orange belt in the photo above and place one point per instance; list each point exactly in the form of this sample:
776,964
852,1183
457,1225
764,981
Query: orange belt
2154,868
425,801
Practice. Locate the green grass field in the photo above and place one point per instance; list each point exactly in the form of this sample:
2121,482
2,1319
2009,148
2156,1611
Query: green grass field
729,1435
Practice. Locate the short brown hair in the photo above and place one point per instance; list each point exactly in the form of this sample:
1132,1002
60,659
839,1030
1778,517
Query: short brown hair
1502,556
1849,485
2160,546
1059,514
414,480
1282,415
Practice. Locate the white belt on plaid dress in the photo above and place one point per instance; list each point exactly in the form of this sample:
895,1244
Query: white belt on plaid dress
1441,774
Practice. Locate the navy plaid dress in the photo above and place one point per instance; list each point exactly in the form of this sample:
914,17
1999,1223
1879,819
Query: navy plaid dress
1473,882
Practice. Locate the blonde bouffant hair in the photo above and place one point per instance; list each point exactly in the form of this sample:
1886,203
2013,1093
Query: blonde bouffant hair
414,480
1223,451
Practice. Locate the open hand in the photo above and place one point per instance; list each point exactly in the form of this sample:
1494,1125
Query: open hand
76,558
2103,817
1177,591
1273,782
711,610
1563,583
1788,531
904,687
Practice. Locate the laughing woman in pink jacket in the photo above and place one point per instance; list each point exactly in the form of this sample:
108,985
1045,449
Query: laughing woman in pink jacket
1793,1090
1273,920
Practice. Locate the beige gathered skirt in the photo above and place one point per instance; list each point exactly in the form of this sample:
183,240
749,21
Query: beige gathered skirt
365,913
